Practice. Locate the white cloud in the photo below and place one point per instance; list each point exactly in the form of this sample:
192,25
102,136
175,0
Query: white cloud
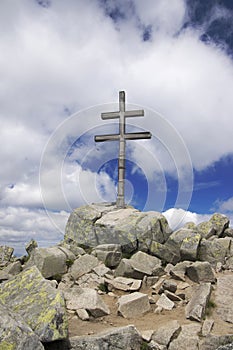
178,217
225,206
19,225
58,60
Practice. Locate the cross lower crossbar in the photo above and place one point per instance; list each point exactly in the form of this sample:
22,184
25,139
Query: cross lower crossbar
129,136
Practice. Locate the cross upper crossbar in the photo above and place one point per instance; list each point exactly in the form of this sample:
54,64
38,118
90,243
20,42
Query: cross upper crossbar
122,137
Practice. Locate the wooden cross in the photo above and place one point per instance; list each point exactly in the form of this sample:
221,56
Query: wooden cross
122,137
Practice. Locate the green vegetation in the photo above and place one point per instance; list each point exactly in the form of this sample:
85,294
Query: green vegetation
144,346
209,307
103,287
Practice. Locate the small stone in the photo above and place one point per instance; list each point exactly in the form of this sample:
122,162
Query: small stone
169,285
172,296
183,285
165,303
83,314
158,310
151,300
206,327
146,335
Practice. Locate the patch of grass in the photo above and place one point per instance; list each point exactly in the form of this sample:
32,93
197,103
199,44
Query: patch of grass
209,307
103,287
144,346
69,262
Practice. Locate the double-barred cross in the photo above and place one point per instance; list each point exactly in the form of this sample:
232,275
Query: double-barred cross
122,137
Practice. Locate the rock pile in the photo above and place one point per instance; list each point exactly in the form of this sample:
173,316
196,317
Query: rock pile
126,264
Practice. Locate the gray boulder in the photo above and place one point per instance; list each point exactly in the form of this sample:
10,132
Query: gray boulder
88,299
5,255
216,342
110,254
165,334
217,224
41,306
52,262
123,283
224,297
165,303
133,305
189,247
13,268
184,243
15,333
196,307
30,246
83,265
126,338
179,270
213,251
164,253
98,224
201,271
140,265
187,339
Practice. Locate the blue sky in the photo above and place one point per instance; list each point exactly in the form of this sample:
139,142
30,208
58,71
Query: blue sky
62,63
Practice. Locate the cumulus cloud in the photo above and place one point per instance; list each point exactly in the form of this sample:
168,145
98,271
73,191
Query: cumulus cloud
178,217
64,58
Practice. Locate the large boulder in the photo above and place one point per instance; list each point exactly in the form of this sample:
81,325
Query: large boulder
40,305
184,243
110,254
196,307
165,334
217,224
139,265
83,265
133,305
187,339
15,333
5,255
97,224
126,338
214,251
52,262
86,298
223,298
201,271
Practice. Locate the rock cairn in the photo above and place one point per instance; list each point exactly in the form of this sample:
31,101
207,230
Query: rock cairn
128,259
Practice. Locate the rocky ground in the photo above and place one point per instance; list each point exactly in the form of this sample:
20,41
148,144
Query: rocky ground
150,289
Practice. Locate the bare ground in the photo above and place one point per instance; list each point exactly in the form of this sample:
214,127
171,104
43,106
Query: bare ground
148,321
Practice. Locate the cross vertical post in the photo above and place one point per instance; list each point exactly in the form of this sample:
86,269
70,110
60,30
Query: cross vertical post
122,137
121,159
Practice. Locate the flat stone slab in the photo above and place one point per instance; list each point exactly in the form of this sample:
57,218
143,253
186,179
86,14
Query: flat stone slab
165,303
123,283
164,335
126,338
83,265
41,306
196,307
133,305
88,299
224,297
187,339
